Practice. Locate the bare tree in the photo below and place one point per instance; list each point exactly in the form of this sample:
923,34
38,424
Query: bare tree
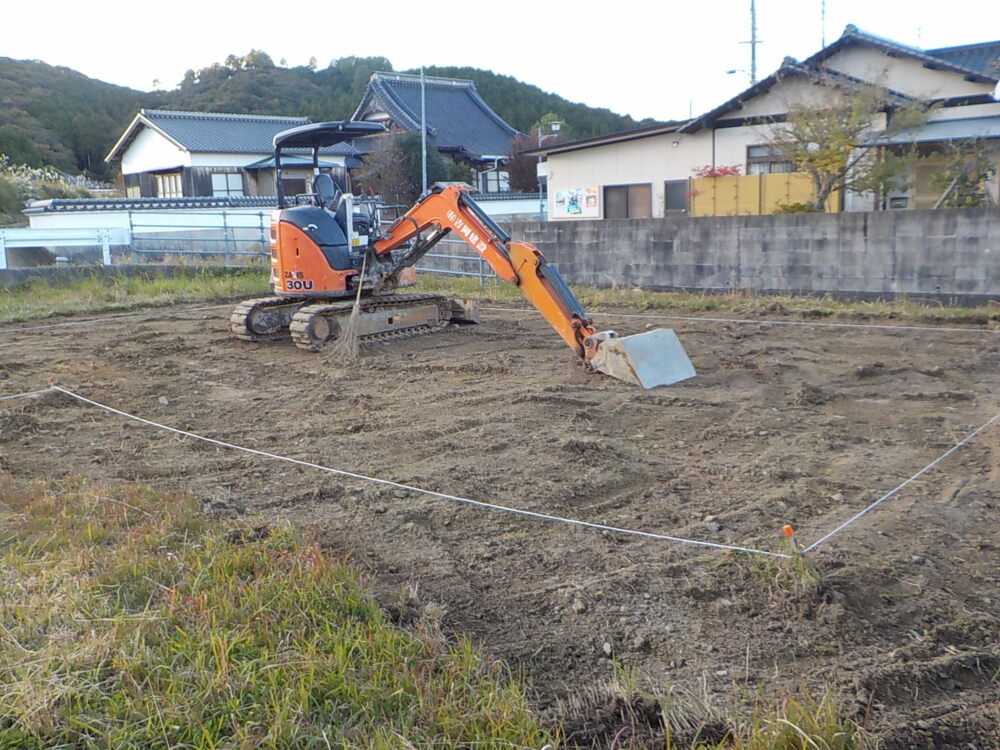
965,177
521,168
385,173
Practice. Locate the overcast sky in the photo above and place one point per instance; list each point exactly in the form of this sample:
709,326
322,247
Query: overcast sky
646,59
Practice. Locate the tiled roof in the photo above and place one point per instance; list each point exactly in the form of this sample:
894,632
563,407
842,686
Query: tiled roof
962,62
983,57
61,205
789,68
962,129
852,35
215,132
458,120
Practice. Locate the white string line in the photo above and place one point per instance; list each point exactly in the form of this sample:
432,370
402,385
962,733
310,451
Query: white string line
737,321
895,490
25,395
431,493
147,314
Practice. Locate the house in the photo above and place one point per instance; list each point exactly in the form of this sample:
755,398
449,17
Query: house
167,154
649,172
459,123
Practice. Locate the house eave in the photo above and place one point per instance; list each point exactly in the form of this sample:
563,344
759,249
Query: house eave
132,131
606,140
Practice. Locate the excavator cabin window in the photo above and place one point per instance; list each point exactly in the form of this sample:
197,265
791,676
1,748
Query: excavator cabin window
293,186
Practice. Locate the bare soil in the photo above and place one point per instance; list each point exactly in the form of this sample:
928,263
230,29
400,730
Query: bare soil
784,424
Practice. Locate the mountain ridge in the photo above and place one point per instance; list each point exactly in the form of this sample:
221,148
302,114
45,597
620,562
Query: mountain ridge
55,115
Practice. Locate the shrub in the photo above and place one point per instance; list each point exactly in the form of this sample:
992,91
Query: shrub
796,208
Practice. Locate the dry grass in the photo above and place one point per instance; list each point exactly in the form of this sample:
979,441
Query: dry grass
40,298
130,621
737,303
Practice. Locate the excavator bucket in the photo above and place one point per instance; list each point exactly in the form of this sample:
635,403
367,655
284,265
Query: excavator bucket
648,359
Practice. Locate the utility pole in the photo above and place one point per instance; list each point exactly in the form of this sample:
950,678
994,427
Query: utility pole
754,41
423,131
822,23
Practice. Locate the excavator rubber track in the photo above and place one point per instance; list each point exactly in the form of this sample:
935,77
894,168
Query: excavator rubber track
265,319
380,318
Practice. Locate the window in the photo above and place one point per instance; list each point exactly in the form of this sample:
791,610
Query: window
169,185
675,195
493,181
628,201
292,186
766,160
227,184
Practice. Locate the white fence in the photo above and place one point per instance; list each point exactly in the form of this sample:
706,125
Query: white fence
54,237
151,236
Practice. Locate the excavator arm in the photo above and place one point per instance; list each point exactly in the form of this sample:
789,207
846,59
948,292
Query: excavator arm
519,263
649,359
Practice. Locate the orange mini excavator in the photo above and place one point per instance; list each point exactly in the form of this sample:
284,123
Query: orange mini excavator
328,245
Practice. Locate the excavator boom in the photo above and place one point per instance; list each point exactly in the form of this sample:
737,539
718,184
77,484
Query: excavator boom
648,359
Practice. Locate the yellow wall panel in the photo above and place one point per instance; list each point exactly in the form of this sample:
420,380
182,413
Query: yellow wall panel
751,194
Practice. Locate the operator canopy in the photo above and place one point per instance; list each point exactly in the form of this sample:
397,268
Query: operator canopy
322,134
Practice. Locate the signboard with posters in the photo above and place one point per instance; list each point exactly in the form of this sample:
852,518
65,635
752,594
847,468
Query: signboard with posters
576,203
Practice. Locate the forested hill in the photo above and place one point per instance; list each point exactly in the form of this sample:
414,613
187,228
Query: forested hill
521,105
57,116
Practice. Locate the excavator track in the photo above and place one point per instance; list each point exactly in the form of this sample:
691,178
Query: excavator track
380,318
264,319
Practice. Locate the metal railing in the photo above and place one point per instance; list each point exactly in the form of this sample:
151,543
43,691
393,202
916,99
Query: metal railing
467,260
238,234
209,234
54,237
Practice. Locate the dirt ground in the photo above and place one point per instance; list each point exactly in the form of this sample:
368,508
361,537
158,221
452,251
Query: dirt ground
784,424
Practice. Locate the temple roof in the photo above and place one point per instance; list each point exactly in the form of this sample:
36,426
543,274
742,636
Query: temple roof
458,120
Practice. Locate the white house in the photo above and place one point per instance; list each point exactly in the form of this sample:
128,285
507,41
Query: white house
166,154
645,173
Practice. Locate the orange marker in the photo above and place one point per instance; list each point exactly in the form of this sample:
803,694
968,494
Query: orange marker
788,530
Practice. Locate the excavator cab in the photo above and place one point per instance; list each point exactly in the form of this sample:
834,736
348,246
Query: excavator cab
318,240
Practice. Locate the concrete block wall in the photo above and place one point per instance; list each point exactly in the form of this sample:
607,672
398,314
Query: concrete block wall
946,253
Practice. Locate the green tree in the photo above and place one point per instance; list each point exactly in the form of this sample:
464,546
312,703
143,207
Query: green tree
393,168
460,172
18,146
410,148
551,128
10,204
837,145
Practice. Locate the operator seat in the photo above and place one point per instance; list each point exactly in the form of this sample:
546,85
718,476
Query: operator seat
326,191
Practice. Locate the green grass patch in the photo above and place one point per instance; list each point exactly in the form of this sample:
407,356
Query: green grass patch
40,298
131,621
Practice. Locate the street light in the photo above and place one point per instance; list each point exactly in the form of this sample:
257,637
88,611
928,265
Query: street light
555,125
